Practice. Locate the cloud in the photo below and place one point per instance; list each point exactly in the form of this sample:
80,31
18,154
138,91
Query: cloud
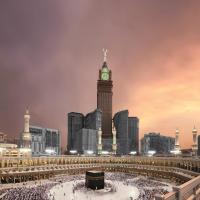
50,53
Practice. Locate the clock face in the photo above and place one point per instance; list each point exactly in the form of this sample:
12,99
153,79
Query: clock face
105,76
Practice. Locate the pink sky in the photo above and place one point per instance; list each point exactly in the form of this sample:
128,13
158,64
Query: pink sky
51,51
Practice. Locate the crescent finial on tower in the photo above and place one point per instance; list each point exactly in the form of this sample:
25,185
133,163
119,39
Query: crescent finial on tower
27,110
105,51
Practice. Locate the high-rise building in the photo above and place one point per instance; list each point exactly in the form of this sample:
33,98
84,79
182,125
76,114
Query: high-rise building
104,99
133,134
52,141
44,141
124,136
89,141
120,121
82,131
158,143
93,120
37,140
199,145
75,124
127,129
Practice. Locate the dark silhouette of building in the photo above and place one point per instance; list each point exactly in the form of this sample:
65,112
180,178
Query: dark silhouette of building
52,140
104,99
93,120
120,120
158,143
133,134
198,146
44,141
127,129
75,124
87,141
82,131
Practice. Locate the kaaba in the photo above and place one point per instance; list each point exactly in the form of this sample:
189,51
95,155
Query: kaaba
94,180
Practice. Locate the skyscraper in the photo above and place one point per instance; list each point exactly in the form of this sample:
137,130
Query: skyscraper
89,134
88,138
127,129
75,124
52,141
198,146
82,131
104,98
93,120
120,121
133,134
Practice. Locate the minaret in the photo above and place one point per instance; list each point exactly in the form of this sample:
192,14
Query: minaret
99,147
177,146
194,146
114,144
26,134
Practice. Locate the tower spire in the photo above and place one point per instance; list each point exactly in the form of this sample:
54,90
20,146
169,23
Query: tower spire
177,146
105,51
195,145
27,110
26,135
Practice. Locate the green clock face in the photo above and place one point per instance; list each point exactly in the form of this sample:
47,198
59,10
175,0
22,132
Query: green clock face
105,76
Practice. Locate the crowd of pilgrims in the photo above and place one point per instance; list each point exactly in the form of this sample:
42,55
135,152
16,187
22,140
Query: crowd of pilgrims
39,190
148,187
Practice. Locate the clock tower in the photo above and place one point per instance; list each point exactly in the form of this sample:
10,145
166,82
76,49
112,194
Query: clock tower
104,98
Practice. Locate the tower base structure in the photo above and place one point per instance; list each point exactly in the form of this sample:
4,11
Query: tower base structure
194,150
107,144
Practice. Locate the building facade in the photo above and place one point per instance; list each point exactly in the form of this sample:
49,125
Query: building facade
89,141
93,120
133,134
198,146
38,140
44,141
158,143
82,131
104,99
127,129
120,121
52,141
75,124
